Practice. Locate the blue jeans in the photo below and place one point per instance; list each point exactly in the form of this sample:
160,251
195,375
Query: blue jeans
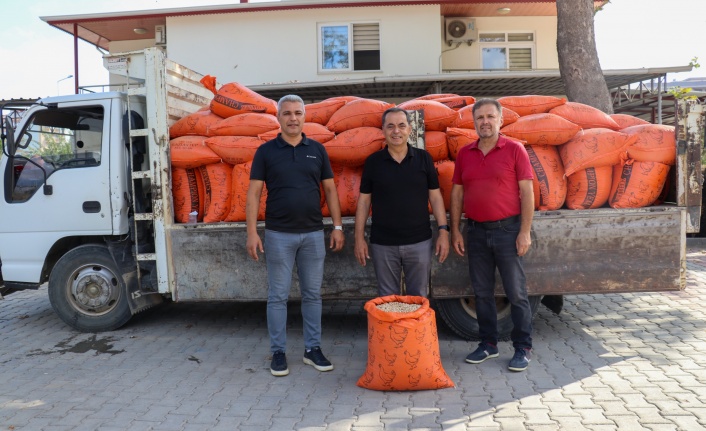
282,250
488,249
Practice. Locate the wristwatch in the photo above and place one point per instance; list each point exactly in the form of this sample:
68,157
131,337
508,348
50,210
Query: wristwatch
444,227
338,228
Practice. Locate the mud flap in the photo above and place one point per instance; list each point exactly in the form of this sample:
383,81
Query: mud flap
137,299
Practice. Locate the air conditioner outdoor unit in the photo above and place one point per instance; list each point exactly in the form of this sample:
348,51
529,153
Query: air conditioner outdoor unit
462,29
160,35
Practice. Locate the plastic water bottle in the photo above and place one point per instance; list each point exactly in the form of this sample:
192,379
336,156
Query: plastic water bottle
193,217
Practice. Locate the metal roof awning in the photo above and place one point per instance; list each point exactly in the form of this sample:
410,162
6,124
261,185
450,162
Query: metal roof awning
477,84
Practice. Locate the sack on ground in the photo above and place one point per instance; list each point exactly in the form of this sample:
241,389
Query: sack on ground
403,348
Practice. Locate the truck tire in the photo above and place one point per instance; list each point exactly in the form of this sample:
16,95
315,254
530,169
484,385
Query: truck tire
459,314
87,291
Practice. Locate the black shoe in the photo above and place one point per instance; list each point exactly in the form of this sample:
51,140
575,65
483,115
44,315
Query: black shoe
317,359
521,360
278,366
483,352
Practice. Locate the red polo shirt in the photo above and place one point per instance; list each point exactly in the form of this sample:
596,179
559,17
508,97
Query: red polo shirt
490,183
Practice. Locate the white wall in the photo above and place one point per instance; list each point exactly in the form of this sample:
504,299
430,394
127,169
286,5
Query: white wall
277,47
468,57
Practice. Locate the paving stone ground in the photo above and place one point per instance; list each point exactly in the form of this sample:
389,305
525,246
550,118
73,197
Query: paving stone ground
608,362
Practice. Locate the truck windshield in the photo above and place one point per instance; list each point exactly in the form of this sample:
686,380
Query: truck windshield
55,139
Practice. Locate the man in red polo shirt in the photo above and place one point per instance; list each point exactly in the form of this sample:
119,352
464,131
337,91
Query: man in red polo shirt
492,183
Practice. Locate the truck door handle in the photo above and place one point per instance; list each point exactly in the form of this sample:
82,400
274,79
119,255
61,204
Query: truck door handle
91,207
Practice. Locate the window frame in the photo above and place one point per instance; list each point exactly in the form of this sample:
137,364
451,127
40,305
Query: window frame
509,45
351,47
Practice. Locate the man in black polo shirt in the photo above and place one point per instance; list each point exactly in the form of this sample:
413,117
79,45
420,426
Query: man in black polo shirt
293,167
399,182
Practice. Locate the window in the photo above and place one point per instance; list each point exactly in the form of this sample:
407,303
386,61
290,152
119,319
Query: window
349,47
508,51
55,139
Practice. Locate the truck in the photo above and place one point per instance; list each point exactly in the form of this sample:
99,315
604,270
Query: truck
88,210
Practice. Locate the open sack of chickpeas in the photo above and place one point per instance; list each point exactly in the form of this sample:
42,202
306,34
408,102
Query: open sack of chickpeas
403,346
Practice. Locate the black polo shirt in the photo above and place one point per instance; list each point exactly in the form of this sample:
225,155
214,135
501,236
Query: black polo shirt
399,196
292,176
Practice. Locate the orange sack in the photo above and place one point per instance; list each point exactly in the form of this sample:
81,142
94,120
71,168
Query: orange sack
191,152
437,116
233,99
458,138
239,194
594,148
403,348
352,147
234,149
589,188
445,171
549,181
526,105
456,102
194,124
321,112
655,143
435,144
250,124
637,184
542,129
585,116
627,120
313,131
358,113
217,188
465,119
187,191
347,181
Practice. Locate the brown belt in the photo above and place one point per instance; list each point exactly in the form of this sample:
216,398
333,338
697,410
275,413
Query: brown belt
490,225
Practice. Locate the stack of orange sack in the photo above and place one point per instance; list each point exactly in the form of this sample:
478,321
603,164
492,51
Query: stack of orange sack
582,157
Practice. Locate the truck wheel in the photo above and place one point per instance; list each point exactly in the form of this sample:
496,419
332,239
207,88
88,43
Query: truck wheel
87,291
460,315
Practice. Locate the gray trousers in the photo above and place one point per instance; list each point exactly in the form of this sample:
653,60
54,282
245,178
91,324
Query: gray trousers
390,261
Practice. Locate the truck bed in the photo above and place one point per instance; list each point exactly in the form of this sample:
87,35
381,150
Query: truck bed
586,251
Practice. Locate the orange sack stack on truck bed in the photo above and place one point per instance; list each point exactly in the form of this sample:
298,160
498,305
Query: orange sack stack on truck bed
403,348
